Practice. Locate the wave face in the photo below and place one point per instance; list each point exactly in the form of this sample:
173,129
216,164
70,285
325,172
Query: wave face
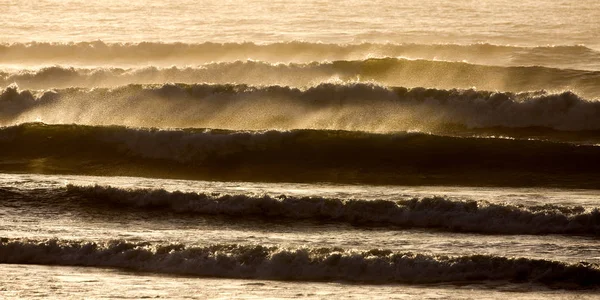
432,213
100,53
386,71
297,155
260,262
364,107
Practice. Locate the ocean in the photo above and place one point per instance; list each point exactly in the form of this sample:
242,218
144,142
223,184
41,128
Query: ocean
313,150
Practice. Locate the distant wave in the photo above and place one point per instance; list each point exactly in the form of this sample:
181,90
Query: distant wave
101,53
365,107
297,155
303,264
386,71
435,212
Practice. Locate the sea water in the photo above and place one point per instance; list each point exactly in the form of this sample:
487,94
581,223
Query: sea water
278,149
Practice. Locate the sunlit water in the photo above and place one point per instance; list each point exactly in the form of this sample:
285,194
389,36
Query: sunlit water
547,22
39,220
348,46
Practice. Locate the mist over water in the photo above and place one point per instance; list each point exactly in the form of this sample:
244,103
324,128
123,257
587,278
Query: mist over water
444,148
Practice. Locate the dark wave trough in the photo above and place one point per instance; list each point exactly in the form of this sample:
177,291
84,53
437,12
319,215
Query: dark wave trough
298,155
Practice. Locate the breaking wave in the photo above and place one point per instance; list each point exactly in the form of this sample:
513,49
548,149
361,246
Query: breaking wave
386,71
101,53
434,213
303,264
364,107
296,156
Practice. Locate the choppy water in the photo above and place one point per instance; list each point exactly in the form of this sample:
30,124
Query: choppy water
546,22
278,149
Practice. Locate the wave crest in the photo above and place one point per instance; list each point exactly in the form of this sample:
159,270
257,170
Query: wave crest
180,53
365,107
435,212
386,71
308,264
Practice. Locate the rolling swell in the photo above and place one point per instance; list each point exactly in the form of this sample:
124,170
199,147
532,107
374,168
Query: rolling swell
364,107
307,264
296,156
101,53
431,213
386,71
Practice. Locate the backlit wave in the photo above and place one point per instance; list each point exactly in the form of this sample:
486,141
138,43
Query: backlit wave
165,54
385,71
307,264
431,213
355,106
296,156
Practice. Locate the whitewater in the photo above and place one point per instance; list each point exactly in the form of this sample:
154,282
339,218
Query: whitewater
277,149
